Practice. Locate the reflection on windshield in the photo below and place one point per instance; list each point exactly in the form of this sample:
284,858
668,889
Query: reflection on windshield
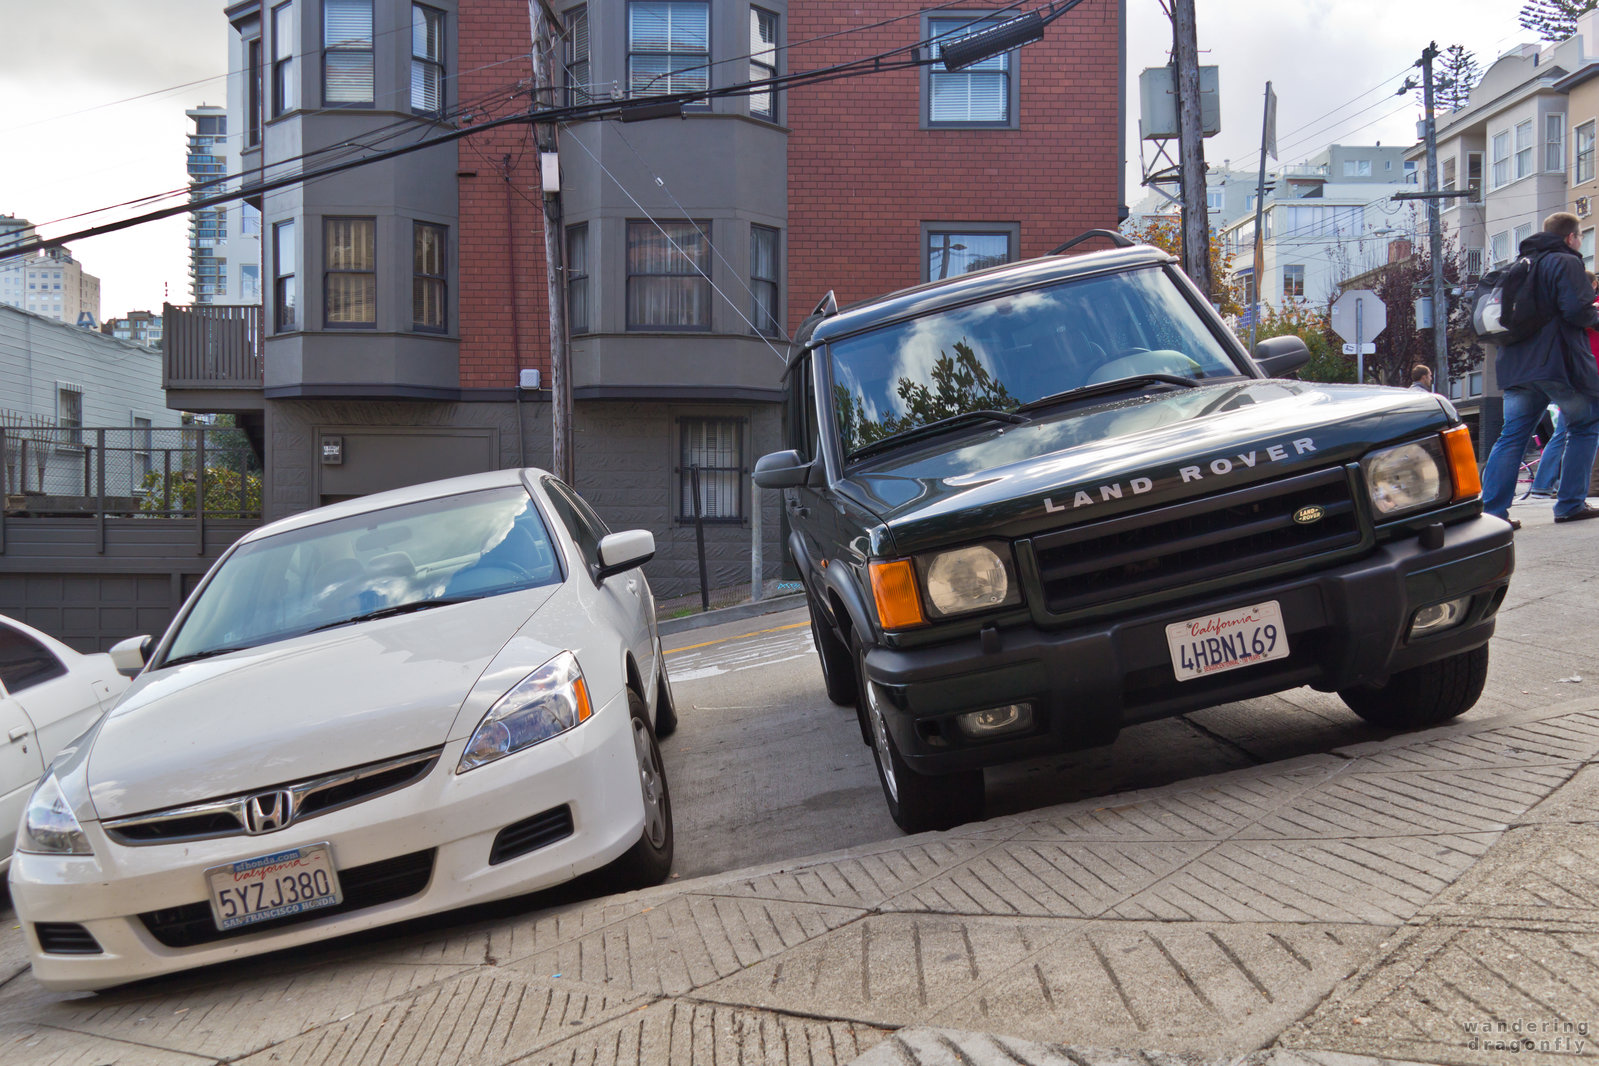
382,562
1009,351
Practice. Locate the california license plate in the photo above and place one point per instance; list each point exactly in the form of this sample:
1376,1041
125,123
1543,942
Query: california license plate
1220,642
273,886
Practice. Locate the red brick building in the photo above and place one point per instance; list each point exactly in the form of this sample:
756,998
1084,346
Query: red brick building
405,298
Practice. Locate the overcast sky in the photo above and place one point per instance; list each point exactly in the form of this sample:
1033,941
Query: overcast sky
92,95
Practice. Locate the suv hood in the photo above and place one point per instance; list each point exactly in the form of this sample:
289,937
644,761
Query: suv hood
298,708
1084,464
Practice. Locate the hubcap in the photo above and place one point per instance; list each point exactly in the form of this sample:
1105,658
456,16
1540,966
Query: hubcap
649,772
885,764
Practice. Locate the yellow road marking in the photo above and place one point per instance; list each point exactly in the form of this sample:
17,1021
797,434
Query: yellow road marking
741,636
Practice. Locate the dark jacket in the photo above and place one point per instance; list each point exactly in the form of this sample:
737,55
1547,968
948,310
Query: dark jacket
1559,351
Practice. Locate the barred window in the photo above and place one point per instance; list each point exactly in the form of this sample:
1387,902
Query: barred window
69,415
711,454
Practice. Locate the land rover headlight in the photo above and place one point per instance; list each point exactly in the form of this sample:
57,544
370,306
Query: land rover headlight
49,827
1407,477
970,579
545,703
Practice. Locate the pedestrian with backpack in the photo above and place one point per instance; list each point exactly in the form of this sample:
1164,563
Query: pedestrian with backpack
1547,360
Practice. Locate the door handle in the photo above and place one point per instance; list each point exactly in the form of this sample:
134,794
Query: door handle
19,732
795,508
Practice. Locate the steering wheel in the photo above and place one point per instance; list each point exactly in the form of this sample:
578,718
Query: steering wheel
1130,362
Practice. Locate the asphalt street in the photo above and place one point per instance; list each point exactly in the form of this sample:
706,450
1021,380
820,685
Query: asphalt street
1268,882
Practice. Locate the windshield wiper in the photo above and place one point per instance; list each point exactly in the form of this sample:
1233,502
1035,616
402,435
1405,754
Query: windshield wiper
1103,388
982,414
387,612
206,654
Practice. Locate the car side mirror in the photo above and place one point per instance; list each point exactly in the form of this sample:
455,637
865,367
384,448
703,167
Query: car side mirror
782,470
1281,356
129,656
623,551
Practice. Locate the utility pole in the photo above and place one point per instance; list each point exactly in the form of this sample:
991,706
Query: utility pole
1440,305
542,21
1191,148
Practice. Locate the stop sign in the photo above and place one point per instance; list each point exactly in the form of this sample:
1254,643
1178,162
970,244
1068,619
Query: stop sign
1360,306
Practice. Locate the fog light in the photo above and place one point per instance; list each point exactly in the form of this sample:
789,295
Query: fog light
994,721
1438,616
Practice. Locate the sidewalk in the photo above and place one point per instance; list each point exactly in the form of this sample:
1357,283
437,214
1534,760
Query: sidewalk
1381,900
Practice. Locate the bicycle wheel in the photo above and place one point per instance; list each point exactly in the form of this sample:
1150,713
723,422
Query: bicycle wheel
1526,474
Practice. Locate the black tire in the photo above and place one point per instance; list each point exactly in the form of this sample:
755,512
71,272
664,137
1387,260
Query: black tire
665,705
917,802
1424,695
838,667
649,861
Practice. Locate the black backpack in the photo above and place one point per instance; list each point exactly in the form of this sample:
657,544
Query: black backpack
1505,307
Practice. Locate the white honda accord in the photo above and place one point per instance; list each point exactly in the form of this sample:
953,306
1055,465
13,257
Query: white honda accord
384,708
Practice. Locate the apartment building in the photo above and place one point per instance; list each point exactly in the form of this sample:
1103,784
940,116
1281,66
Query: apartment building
405,302
1323,220
224,239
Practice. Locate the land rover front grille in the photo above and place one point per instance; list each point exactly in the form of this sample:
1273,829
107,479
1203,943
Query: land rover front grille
304,799
1251,529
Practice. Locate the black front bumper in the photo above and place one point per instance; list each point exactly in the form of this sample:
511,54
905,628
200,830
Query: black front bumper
1345,625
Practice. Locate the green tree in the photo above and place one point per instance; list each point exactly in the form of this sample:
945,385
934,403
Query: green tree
1327,359
1454,76
1553,20
226,496
958,384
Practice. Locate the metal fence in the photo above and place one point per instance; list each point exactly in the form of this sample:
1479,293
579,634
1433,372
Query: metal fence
139,471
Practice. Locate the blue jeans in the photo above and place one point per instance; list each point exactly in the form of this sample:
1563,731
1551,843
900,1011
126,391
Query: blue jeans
1549,459
1524,404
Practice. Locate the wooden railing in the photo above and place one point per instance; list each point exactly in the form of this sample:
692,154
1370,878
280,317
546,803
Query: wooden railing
211,346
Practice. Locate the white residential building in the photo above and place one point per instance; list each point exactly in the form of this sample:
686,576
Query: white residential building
1324,219
224,239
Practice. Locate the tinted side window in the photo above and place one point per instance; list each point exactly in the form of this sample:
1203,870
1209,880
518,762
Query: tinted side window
24,662
579,519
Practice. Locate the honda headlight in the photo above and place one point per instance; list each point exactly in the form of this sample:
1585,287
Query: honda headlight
970,579
49,827
1407,477
545,703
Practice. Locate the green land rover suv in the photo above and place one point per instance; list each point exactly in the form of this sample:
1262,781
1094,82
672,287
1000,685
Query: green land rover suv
1035,504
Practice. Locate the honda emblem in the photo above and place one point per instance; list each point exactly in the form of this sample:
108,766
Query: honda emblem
267,812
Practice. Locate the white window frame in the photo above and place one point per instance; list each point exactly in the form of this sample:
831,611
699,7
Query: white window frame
1554,142
1526,163
1007,64
1582,156
69,430
1501,159
1498,249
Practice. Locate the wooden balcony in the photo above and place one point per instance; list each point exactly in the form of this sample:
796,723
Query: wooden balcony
211,346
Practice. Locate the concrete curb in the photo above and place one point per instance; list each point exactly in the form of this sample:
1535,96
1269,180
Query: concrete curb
668,626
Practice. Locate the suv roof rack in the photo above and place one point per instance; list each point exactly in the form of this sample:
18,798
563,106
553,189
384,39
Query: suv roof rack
1120,240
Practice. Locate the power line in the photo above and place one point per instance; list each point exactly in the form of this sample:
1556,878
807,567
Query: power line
904,57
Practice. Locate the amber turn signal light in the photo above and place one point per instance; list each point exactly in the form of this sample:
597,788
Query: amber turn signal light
894,589
1462,462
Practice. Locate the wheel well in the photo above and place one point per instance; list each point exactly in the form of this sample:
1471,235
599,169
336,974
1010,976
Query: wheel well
845,628
635,681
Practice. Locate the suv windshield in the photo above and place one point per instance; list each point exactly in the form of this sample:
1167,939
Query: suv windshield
1012,350
397,559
